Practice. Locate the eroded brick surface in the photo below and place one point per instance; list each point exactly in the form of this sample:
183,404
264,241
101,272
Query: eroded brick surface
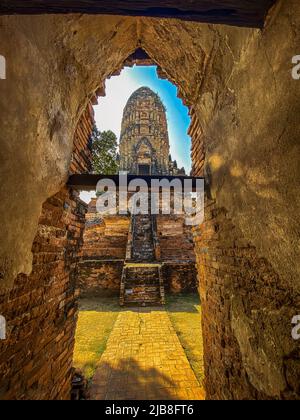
245,304
41,309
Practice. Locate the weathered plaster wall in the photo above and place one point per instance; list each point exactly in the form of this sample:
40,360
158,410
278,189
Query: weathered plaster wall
54,64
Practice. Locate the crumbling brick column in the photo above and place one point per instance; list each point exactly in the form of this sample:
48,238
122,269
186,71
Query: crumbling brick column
41,310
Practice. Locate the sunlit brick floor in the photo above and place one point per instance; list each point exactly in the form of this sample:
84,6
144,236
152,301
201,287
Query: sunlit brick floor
144,360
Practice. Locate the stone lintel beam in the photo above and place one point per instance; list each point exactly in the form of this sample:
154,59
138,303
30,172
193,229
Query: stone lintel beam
88,182
231,12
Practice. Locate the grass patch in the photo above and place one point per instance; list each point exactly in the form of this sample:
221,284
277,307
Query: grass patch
185,314
97,317
95,323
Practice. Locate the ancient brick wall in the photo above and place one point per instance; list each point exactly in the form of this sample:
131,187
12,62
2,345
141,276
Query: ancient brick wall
244,305
144,140
175,239
103,253
82,155
105,238
217,71
41,310
99,278
177,252
180,277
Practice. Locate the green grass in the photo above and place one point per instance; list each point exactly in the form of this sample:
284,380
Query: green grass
95,323
97,317
185,314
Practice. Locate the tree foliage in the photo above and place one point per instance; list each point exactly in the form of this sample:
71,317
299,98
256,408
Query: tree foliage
104,150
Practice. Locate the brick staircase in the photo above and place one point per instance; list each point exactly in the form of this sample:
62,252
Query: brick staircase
143,244
142,280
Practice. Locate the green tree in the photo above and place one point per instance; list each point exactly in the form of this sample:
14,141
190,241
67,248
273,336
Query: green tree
104,150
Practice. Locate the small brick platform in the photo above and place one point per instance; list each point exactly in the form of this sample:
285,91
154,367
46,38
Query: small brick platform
142,281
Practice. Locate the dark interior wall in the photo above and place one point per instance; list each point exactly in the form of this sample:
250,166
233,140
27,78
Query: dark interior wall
231,12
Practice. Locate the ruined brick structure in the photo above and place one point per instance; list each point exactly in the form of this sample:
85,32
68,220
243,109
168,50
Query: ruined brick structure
103,254
144,142
161,246
37,357
82,155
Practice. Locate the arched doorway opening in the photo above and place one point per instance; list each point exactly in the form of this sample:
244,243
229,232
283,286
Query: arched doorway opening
154,258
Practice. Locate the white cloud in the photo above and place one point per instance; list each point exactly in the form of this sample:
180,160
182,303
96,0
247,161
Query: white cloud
109,112
87,196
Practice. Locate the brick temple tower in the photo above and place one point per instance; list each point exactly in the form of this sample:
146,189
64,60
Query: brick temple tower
144,142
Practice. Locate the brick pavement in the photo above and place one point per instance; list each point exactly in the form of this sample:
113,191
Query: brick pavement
144,360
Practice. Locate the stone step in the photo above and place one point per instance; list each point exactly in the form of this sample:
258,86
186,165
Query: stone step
145,278
144,257
138,245
142,295
141,283
143,254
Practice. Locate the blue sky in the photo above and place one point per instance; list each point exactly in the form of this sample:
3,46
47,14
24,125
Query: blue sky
109,112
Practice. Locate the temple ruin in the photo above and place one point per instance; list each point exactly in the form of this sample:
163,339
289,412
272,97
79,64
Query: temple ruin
144,142
139,256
